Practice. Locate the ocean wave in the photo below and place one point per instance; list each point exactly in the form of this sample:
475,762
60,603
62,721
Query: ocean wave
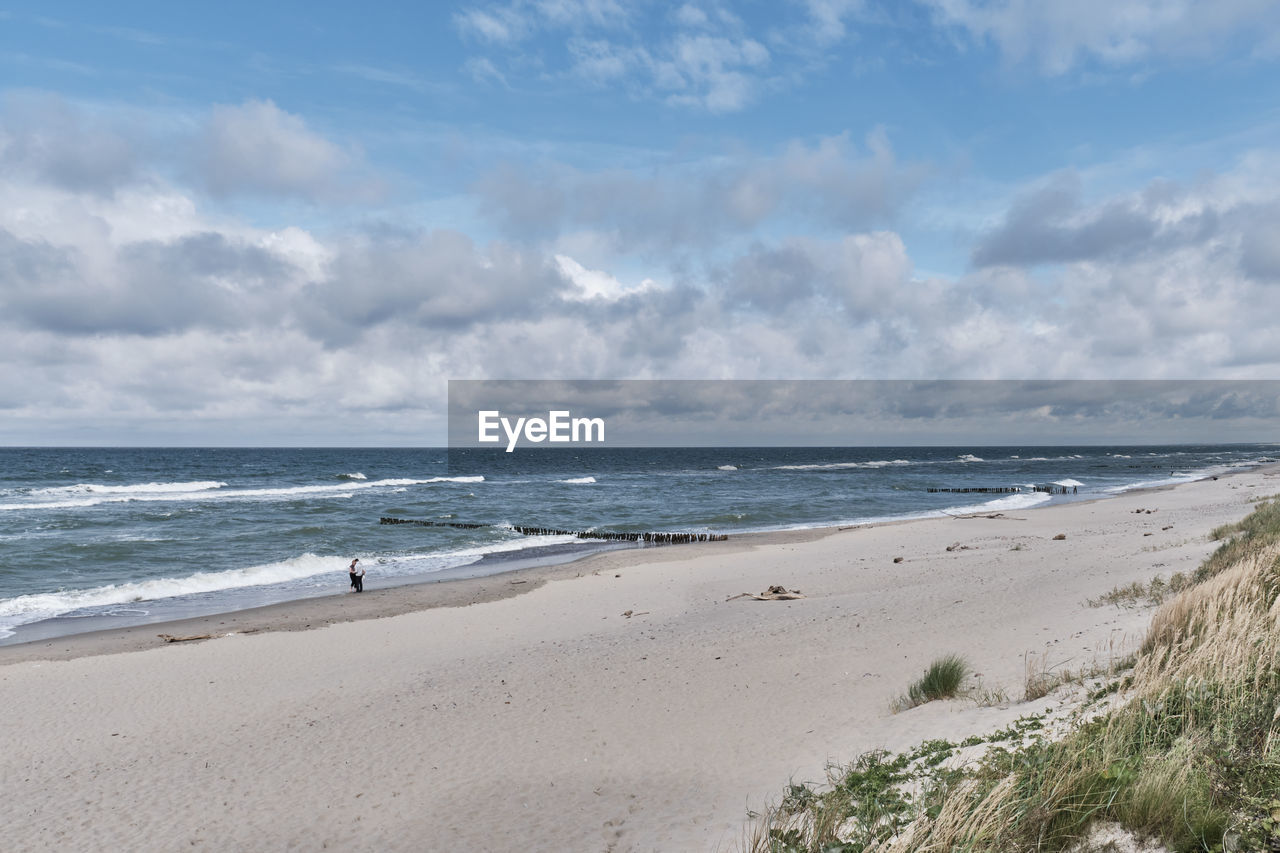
969,457
727,468
26,609
32,608
1008,502
137,488
356,476
212,490
1068,483
879,463
578,481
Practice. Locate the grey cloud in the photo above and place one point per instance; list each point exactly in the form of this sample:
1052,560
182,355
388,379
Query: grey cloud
1050,225
435,280
257,148
770,278
863,275
831,182
254,148
44,137
1260,244
153,288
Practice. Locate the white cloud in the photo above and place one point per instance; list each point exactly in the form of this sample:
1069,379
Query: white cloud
46,137
597,284
498,25
829,182
1058,35
143,309
698,55
828,18
258,148
713,72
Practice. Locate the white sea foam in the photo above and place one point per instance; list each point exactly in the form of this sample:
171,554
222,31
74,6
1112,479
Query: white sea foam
579,481
32,608
26,609
356,476
727,468
137,488
879,463
1068,483
969,457
212,490
1018,501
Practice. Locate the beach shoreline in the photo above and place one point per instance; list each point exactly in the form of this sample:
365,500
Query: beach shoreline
630,701
398,598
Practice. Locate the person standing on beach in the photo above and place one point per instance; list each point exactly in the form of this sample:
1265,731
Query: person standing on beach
357,576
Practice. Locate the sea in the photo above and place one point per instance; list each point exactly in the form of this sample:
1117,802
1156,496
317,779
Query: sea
96,538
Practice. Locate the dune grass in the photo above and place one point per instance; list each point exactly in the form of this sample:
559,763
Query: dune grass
1191,756
941,680
1137,594
1251,534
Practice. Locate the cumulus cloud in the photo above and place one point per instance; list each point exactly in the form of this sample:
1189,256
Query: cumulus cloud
435,280
203,280
1058,35
257,148
1260,244
134,307
254,148
44,137
596,284
831,182
1233,216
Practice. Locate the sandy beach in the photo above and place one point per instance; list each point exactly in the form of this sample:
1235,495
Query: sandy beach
624,702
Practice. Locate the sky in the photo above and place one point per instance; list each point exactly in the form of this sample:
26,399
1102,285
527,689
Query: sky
291,224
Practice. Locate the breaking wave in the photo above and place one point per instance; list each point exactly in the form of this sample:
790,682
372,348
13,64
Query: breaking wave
90,494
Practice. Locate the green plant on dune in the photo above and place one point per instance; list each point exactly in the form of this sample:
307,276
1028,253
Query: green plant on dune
1256,531
941,680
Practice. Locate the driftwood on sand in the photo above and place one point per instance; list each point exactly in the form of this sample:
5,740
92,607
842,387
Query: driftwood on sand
170,638
773,593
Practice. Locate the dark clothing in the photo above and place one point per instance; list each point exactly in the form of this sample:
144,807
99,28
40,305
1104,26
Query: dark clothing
357,581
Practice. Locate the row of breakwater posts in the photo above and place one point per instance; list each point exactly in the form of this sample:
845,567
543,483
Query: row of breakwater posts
648,538
1052,489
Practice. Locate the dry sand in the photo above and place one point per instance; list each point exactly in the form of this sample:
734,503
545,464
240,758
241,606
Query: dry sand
491,715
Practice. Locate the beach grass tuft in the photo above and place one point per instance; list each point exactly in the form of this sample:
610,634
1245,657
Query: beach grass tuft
941,680
1137,594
